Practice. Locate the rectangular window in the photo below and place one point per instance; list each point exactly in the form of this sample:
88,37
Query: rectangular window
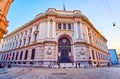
21,55
13,56
24,41
64,26
20,42
10,56
35,37
26,32
69,26
29,39
26,53
7,56
16,55
59,26
93,54
4,56
33,54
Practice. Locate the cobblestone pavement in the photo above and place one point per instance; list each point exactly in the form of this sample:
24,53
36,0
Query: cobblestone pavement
68,73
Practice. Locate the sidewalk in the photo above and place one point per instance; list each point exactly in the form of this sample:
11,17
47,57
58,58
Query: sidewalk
3,70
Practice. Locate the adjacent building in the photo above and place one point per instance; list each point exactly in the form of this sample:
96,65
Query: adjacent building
4,7
118,57
113,56
55,37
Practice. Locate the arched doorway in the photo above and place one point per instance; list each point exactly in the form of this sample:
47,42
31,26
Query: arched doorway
64,50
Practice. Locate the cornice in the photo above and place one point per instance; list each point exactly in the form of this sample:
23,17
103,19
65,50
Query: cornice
97,48
23,47
33,44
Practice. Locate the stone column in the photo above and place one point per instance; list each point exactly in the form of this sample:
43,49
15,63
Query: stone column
91,36
18,41
48,29
39,25
32,35
87,36
74,56
27,37
22,40
81,32
9,44
53,30
75,31
5,47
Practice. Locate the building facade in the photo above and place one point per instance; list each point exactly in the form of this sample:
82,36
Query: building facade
113,56
118,55
53,37
4,7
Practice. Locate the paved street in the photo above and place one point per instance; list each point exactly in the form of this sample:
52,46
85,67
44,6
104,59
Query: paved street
68,73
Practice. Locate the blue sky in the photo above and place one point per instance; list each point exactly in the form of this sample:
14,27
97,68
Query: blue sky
101,13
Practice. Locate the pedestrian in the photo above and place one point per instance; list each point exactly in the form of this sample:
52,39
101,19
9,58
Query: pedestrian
76,64
79,64
108,64
58,65
72,65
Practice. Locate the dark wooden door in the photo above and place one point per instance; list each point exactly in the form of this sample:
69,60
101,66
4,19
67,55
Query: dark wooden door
64,50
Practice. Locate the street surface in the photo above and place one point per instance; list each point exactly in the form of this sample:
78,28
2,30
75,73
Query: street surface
67,73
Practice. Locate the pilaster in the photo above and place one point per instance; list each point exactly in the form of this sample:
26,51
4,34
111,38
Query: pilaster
81,32
48,29
75,31
53,30
87,36
32,35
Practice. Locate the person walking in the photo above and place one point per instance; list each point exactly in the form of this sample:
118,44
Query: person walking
108,64
79,64
76,64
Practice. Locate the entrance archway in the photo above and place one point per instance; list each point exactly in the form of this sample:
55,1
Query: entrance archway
64,50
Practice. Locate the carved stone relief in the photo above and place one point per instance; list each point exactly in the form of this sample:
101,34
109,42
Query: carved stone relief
80,53
49,52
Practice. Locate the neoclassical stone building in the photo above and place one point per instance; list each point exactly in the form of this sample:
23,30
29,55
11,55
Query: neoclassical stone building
56,36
